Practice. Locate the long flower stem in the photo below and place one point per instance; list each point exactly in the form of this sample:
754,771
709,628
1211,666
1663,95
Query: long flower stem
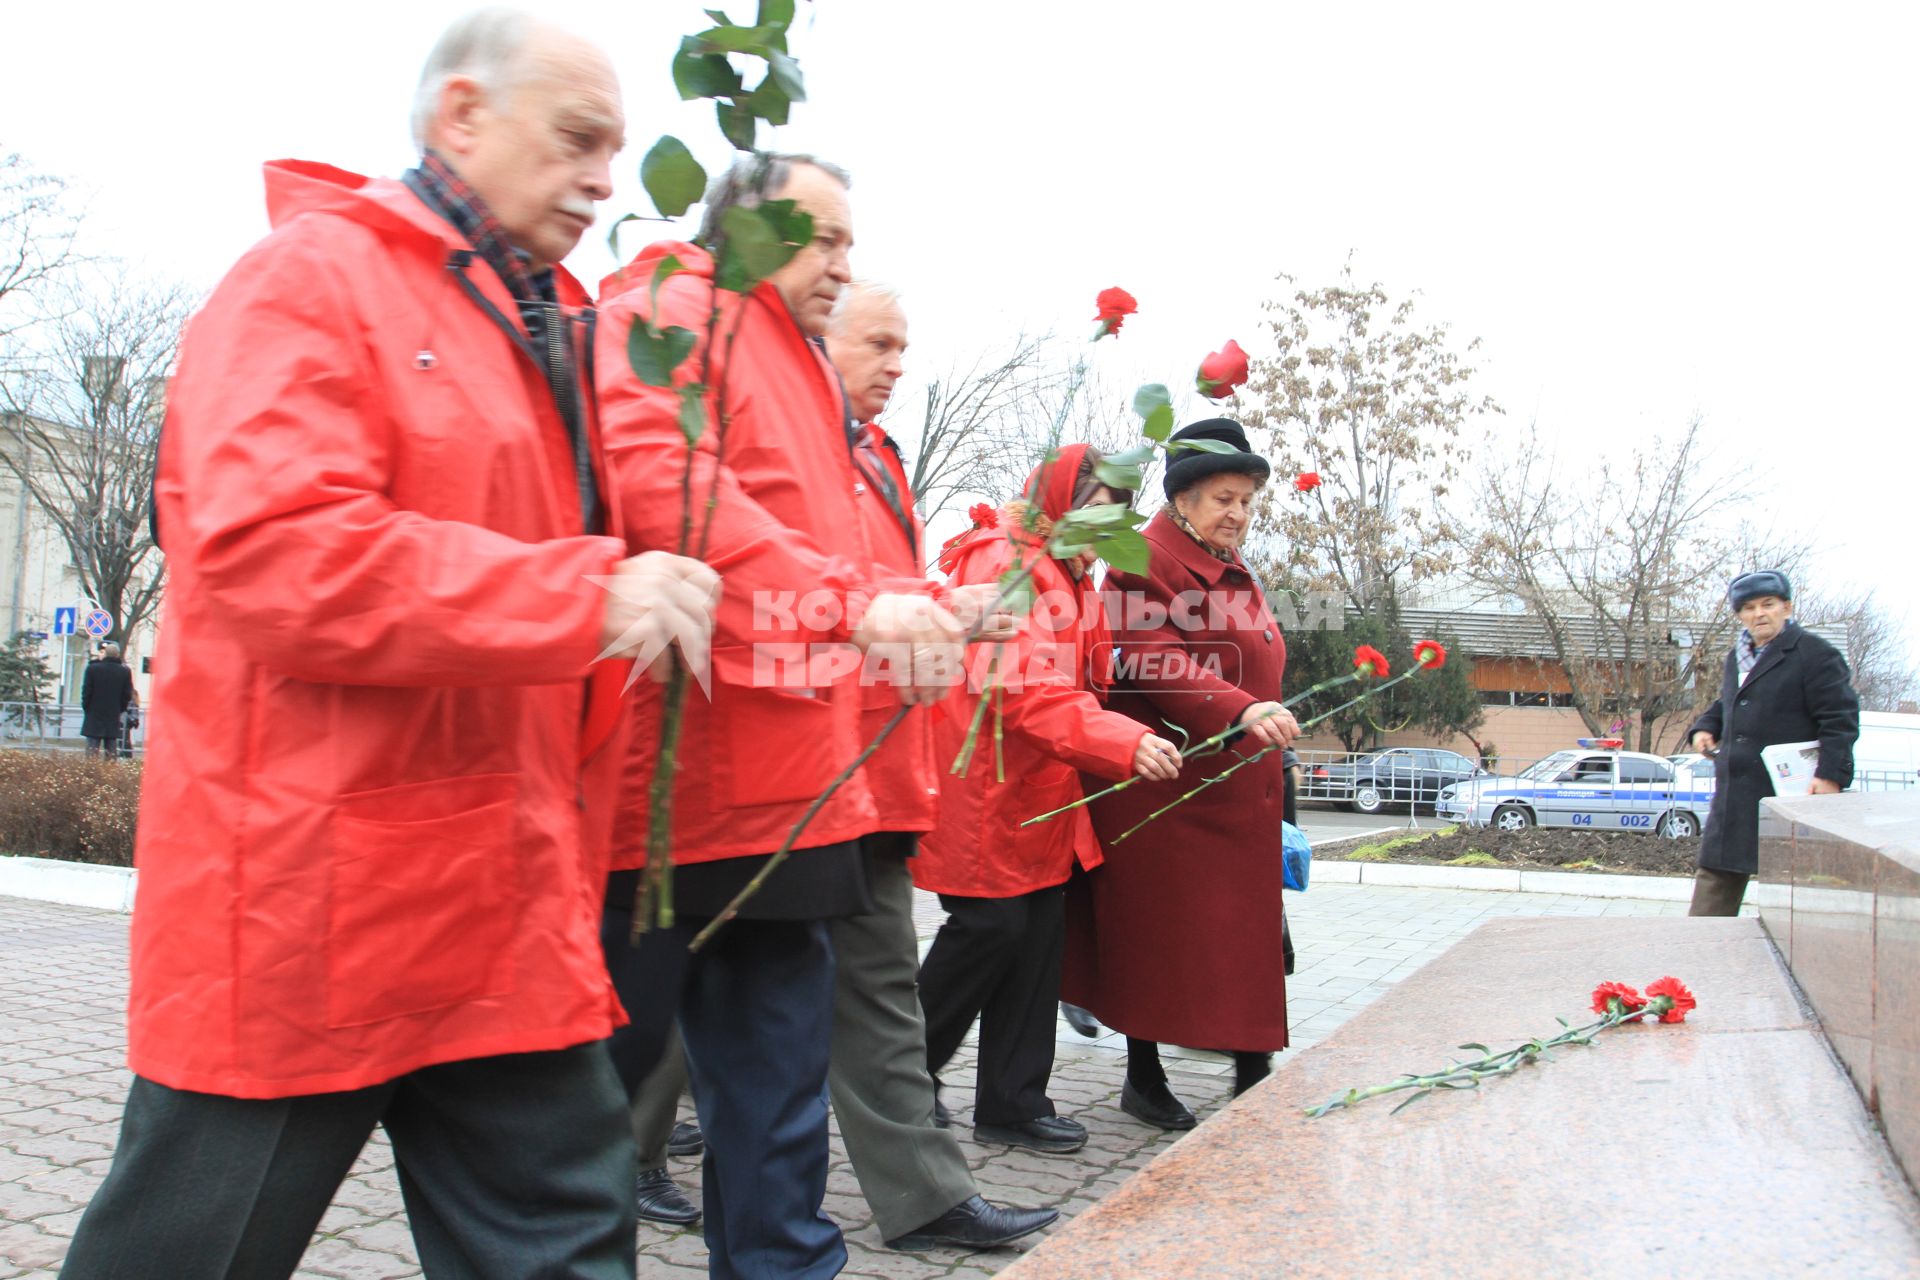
1203,746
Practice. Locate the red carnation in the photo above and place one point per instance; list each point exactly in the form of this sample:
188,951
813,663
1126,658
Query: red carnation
1430,653
1610,991
1222,371
984,516
1676,991
1115,305
1307,481
1369,661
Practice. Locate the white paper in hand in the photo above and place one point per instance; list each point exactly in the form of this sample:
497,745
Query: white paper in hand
1790,766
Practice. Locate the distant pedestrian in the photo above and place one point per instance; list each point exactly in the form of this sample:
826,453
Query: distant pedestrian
1781,684
106,691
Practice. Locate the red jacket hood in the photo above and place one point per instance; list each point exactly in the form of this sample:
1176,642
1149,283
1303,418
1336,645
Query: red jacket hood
638,274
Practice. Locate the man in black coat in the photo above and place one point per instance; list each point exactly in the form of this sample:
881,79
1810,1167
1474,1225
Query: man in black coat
1781,684
106,691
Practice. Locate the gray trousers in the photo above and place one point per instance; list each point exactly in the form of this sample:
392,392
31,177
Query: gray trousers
510,1166
910,1171
1718,893
656,1106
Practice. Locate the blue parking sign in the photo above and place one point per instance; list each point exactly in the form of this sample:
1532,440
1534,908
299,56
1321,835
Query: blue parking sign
64,619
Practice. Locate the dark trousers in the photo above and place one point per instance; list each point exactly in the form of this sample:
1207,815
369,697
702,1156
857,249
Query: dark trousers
755,1008
511,1166
1718,893
998,960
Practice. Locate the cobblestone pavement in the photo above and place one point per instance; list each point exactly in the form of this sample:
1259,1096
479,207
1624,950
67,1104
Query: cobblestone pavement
63,983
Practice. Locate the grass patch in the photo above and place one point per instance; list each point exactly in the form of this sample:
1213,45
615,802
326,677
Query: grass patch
1474,858
1585,864
1381,852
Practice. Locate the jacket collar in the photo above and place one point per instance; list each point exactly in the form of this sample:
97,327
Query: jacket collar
1775,654
1176,542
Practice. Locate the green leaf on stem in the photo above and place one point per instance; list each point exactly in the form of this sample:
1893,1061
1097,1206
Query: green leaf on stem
1562,1021
719,16
769,101
1138,456
1198,445
776,13
672,177
1482,1048
1117,475
663,270
693,412
757,41
1126,550
784,72
1151,397
759,241
1159,424
613,232
738,123
656,353
697,74
1410,1100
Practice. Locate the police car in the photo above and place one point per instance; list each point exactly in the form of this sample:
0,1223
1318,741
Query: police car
1597,786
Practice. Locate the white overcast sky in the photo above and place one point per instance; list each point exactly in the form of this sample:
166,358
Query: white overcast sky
1645,212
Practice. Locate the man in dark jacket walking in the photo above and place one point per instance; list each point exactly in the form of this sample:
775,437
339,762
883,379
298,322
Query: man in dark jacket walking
106,691
1781,684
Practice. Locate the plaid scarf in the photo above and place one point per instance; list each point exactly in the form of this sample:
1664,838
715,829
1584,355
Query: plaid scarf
551,346
1746,653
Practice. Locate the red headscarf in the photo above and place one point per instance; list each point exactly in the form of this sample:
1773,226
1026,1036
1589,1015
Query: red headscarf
1049,488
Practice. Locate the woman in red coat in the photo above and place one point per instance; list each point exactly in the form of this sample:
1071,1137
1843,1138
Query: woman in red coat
1177,937
997,957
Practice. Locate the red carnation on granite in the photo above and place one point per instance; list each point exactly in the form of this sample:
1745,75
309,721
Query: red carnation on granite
1430,653
1369,661
1222,371
1115,305
984,516
1675,991
1307,481
1607,992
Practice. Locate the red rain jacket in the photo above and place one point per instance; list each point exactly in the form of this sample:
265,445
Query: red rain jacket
365,827
901,774
787,542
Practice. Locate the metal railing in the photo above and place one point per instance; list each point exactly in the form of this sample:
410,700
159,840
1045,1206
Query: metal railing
55,726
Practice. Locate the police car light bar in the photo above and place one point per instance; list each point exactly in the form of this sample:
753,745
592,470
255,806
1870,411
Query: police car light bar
1600,744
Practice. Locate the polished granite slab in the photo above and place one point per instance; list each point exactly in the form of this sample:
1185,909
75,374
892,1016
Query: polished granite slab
1730,1145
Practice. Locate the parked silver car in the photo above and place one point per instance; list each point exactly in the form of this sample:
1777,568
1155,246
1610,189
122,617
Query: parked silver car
1605,790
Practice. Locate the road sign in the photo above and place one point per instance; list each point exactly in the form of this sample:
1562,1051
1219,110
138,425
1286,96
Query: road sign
99,623
63,620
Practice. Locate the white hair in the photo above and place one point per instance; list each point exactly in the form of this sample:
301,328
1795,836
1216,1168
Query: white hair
485,46
885,294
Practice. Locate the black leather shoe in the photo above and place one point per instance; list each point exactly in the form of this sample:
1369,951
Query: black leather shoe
1157,1107
1055,1135
687,1140
1080,1020
942,1118
658,1198
976,1224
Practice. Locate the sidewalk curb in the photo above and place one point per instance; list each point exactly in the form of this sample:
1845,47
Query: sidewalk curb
1503,879
71,884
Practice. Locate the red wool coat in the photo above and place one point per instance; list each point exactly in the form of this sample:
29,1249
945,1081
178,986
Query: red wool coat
367,844
1177,937
901,774
1052,728
794,565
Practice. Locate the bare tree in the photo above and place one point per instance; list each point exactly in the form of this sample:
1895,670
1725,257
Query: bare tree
1625,571
37,231
969,418
83,412
1371,400
1883,668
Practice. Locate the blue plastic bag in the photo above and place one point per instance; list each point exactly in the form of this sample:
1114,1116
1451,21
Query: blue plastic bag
1296,857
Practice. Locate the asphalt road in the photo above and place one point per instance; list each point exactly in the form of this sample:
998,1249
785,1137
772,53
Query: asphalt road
1326,822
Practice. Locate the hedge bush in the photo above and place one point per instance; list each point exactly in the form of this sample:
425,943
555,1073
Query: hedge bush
64,804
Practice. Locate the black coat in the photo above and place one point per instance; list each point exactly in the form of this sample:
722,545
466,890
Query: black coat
106,691
1798,691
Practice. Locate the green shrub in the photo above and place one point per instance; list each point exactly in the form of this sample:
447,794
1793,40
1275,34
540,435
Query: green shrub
63,804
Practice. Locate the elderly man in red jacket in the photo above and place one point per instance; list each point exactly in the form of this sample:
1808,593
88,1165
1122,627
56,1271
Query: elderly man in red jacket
369,867
911,1170
784,717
